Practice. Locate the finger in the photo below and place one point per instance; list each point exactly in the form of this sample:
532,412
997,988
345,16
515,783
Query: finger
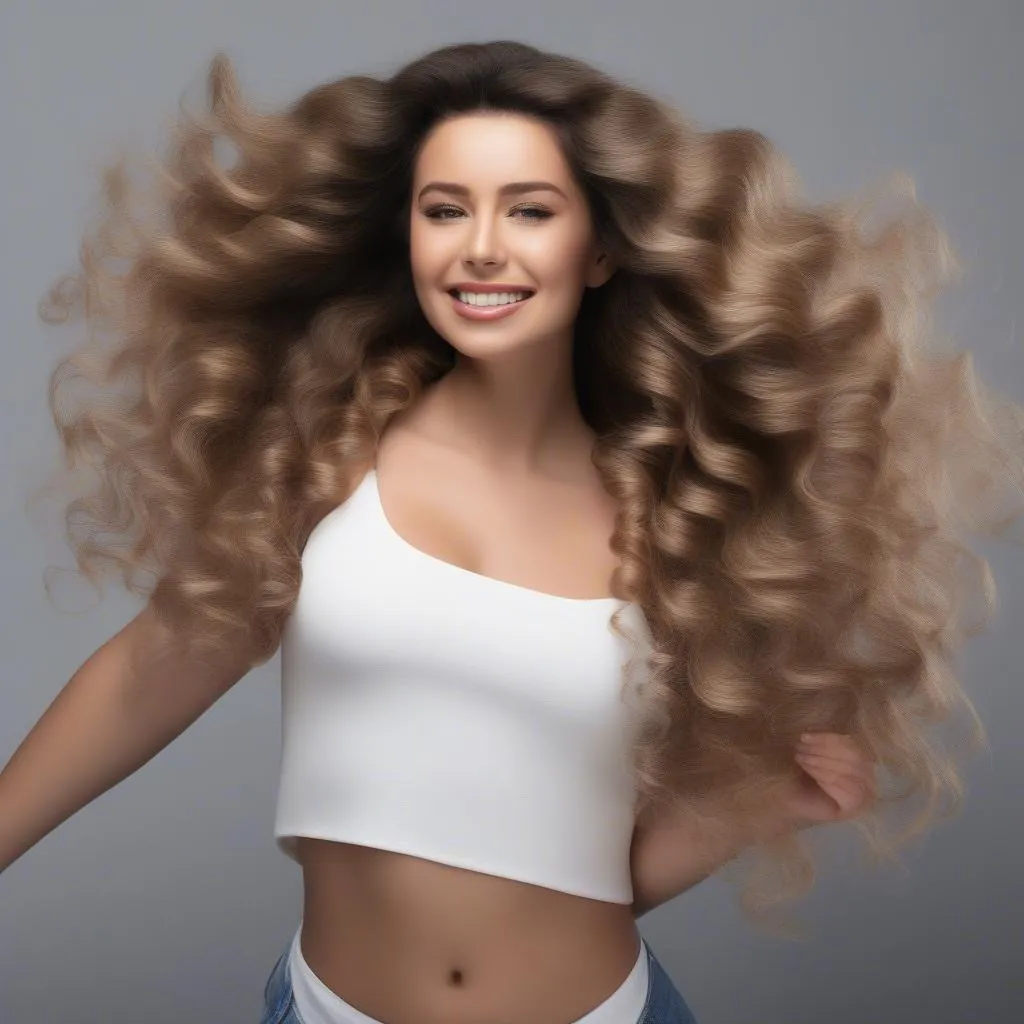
847,789
865,771
840,762
820,737
828,741
827,776
845,750
818,766
848,794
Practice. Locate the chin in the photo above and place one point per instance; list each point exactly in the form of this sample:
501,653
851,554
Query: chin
483,349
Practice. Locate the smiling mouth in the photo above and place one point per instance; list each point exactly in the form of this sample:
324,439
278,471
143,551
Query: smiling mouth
490,300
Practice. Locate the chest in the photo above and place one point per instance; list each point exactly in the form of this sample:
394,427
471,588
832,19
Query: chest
548,537
381,619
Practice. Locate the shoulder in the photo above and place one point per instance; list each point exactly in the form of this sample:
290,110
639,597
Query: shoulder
353,479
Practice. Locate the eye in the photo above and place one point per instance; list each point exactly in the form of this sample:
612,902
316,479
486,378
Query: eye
441,212
445,211
537,213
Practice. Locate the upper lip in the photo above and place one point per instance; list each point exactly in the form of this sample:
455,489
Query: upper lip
479,286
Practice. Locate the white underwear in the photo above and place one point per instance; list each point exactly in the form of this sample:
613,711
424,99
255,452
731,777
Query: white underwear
315,1003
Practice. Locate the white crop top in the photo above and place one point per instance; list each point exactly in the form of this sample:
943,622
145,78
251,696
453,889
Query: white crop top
432,711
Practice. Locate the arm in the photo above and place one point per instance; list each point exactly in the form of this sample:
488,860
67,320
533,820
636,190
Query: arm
677,848
674,854
129,700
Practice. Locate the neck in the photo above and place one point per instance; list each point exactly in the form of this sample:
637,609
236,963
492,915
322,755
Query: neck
517,415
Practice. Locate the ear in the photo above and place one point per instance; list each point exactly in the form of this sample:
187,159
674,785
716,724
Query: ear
600,270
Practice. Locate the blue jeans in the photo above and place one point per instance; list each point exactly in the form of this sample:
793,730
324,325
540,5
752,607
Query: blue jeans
664,1005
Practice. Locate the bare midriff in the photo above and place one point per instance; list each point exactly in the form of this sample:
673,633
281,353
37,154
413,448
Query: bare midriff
411,941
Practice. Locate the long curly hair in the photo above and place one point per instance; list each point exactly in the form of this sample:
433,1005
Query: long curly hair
794,456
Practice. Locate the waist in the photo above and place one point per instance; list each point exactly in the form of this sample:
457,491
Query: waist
394,932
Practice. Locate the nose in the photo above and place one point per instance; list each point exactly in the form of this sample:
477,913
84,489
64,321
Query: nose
483,244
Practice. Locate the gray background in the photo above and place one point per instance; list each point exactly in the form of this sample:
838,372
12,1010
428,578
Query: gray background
166,900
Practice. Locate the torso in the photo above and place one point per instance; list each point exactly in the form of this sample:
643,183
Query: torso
410,941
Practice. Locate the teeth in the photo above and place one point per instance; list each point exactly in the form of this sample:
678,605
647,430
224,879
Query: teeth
491,298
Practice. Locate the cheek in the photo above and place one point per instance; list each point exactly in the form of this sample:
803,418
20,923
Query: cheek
420,258
431,249
561,262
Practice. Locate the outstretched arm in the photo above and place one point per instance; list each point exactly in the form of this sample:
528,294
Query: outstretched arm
129,700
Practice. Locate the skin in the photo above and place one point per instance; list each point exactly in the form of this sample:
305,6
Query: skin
511,392
490,470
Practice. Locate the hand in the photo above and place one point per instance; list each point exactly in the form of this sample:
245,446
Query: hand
837,781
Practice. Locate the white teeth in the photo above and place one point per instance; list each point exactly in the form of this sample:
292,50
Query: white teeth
491,298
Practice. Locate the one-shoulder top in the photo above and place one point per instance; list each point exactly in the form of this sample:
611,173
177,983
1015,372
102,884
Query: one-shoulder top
435,712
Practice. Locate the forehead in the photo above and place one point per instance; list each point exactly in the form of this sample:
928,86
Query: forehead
487,147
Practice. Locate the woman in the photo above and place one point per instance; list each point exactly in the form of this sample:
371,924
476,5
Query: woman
443,377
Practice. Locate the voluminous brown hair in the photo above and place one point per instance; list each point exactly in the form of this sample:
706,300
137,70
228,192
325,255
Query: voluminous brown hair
794,456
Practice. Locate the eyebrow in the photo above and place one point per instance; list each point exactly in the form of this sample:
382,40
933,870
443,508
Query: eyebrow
512,188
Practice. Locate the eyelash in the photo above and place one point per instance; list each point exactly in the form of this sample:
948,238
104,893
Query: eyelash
541,213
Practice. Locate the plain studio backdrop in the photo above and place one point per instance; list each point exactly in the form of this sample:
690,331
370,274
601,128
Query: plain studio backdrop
166,900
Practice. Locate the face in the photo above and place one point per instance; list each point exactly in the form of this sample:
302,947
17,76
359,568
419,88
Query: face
501,240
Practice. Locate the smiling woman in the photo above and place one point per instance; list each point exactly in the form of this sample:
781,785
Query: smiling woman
491,170
577,468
